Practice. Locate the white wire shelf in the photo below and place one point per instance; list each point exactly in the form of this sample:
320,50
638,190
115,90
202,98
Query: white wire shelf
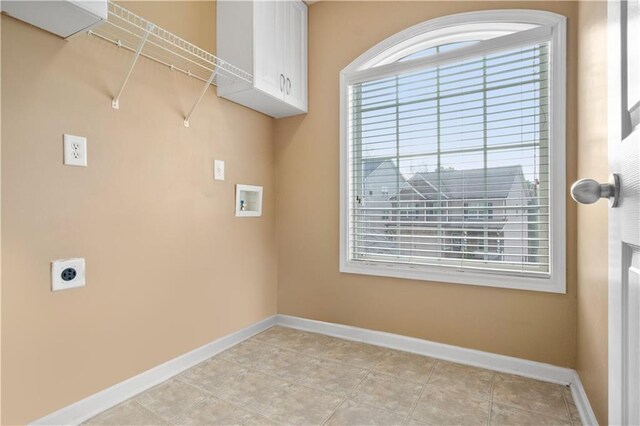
134,33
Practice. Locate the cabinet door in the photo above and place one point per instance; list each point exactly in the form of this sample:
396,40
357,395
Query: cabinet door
268,55
295,53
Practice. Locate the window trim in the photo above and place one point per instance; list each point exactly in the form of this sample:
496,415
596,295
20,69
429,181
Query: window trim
446,35
552,27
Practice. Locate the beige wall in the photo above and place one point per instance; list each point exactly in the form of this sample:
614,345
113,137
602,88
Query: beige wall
592,219
169,267
531,325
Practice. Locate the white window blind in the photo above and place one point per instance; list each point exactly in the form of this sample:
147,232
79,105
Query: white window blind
449,166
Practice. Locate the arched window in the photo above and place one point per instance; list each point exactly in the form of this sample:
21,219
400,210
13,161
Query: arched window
464,114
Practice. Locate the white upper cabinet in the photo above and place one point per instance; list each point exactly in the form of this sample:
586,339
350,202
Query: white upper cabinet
268,39
62,17
295,54
268,55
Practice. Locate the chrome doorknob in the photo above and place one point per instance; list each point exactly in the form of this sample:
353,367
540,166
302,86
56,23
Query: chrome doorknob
588,191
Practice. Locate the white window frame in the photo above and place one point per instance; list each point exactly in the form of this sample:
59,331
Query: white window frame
378,62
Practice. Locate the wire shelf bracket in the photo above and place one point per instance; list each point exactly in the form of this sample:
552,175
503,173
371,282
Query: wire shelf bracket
115,103
202,93
131,32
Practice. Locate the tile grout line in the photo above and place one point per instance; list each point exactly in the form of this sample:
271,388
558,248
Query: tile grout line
133,401
326,358
526,410
409,416
369,371
566,406
353,389
383,348
346,397
289,382
230,402
151,410
210,396
422,389
518,407
493,382
322,358
372,368
539,413
318,357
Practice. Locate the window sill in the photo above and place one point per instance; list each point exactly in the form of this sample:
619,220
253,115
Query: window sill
435,274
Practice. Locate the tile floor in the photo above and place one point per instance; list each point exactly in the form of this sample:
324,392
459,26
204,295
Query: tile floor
286,376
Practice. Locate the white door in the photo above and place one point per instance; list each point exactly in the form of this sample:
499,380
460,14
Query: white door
268,51
295,54
624,221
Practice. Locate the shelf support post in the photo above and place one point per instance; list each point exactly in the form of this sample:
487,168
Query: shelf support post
202,93
115,103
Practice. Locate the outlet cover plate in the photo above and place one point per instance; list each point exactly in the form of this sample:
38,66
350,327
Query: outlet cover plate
75,150
60,266
218,169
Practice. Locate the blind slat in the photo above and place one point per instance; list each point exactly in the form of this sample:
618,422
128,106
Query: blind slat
442,89
493,263
411,100
463,252
365,121
443,227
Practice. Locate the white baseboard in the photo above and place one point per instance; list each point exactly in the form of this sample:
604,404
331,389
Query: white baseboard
103,400
88,407
502,363
587,416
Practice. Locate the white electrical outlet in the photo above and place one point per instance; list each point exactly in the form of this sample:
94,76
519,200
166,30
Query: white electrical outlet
67,273
218,170
75,150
